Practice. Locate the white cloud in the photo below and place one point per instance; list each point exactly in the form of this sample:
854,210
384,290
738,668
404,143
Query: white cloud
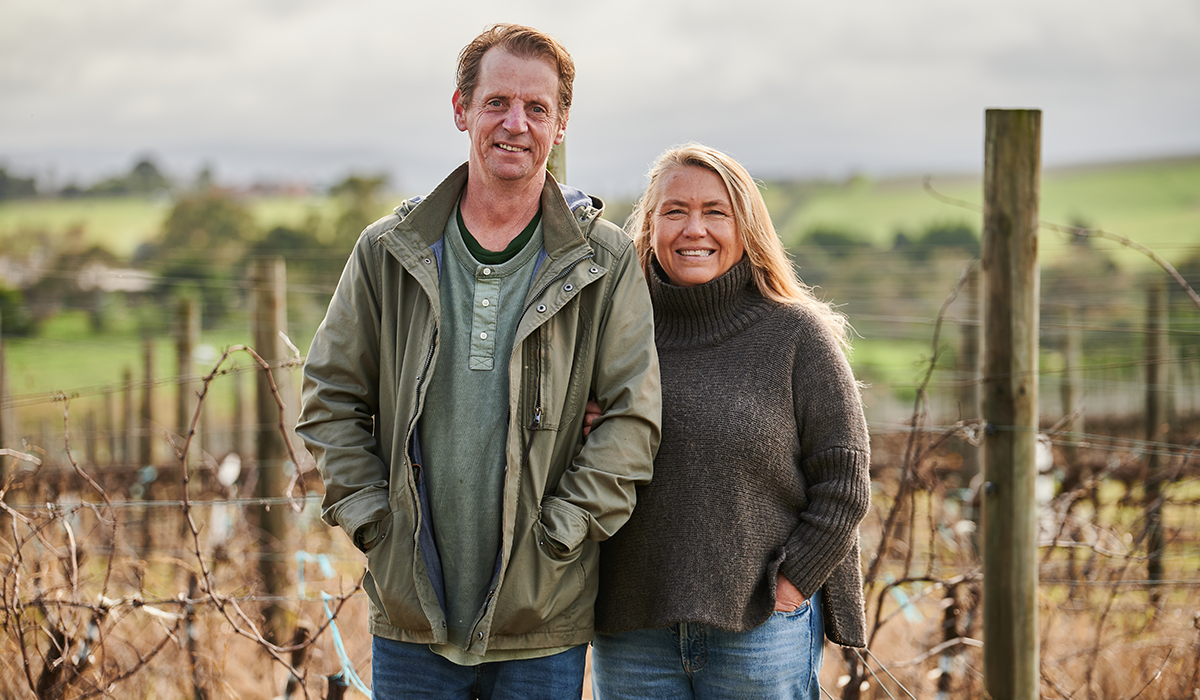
286,88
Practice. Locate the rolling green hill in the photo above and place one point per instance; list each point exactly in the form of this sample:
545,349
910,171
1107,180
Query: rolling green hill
889,298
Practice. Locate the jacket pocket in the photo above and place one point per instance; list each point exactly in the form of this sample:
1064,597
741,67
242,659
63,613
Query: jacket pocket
390,582
541,583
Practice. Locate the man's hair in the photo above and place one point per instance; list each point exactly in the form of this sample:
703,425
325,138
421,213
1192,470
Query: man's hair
773,272
522,42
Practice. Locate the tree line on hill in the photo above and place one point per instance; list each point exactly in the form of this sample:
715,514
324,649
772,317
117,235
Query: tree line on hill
202,251
144,177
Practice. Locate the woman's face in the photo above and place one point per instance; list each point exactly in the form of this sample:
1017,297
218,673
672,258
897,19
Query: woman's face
693,230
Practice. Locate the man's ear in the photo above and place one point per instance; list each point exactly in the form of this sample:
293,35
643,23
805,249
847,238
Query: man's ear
562,129
460,111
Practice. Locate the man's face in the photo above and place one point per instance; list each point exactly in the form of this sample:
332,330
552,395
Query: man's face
513,119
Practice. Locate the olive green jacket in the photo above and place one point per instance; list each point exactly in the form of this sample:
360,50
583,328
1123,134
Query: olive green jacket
587,329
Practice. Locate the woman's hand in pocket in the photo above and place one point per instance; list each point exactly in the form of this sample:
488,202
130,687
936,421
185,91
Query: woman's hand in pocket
787,597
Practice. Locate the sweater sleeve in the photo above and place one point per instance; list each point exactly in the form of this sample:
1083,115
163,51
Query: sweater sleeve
834,460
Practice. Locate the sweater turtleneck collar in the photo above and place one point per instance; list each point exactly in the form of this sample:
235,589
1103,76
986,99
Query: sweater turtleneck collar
705,313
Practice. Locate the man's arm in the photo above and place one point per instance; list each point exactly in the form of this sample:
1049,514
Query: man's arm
340,400
597,493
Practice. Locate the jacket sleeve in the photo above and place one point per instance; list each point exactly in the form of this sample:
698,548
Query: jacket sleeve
597,493
835,461
340,397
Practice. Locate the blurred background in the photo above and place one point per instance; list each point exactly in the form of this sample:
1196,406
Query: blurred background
305,91
170,170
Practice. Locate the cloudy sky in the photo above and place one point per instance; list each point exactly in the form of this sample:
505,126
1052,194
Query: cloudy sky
312,90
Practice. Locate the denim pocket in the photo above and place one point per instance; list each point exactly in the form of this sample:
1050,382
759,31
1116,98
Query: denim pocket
799,612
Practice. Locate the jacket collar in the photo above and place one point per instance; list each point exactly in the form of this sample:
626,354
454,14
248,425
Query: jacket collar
561,230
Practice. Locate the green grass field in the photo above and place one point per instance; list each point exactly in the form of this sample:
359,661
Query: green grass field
1156,203
121,224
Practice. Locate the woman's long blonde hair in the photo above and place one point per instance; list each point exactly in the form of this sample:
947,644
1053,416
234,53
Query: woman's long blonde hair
773,271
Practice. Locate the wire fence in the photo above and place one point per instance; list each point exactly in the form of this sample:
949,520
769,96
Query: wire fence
131,575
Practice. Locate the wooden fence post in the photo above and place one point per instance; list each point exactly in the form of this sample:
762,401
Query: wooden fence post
187,334
968,398
146,427
1012,173
557,162
270,319
3,396
1071,389
1156,430
239,416
110,428
146,445
128,444
4,461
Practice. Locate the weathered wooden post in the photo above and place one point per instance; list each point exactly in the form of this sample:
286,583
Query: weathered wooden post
3,396
1156,430
1012,174
128,442
145,452
146,428
968,397
1071,390
3,425
239,416
89,437
110,428
187,334
270,320
557,162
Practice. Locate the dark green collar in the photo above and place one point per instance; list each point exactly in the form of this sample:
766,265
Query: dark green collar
493,257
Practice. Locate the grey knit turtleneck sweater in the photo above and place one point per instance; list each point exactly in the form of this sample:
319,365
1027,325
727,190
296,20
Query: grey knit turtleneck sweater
763,468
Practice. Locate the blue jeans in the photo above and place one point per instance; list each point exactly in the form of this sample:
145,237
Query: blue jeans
779,659
401,670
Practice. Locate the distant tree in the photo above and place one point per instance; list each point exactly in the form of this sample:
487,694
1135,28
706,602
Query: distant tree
836,242
937,238
12,187
960,236
359,207
205,179
144,178
203,240
310,260
63,287
14,314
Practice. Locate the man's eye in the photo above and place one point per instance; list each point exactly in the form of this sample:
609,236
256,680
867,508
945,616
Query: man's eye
495,103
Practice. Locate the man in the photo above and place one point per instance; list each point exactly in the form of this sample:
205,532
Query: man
444,396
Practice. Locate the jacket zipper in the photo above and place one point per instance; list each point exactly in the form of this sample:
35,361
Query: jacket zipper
412,424
537,405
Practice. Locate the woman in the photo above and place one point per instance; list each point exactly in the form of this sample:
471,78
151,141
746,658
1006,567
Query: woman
742,553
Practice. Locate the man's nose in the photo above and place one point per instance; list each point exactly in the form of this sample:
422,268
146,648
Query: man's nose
514,120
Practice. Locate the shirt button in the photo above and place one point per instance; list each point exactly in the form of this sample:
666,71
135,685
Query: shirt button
485,302
541,308
568,287
594,270
487,270
483,336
